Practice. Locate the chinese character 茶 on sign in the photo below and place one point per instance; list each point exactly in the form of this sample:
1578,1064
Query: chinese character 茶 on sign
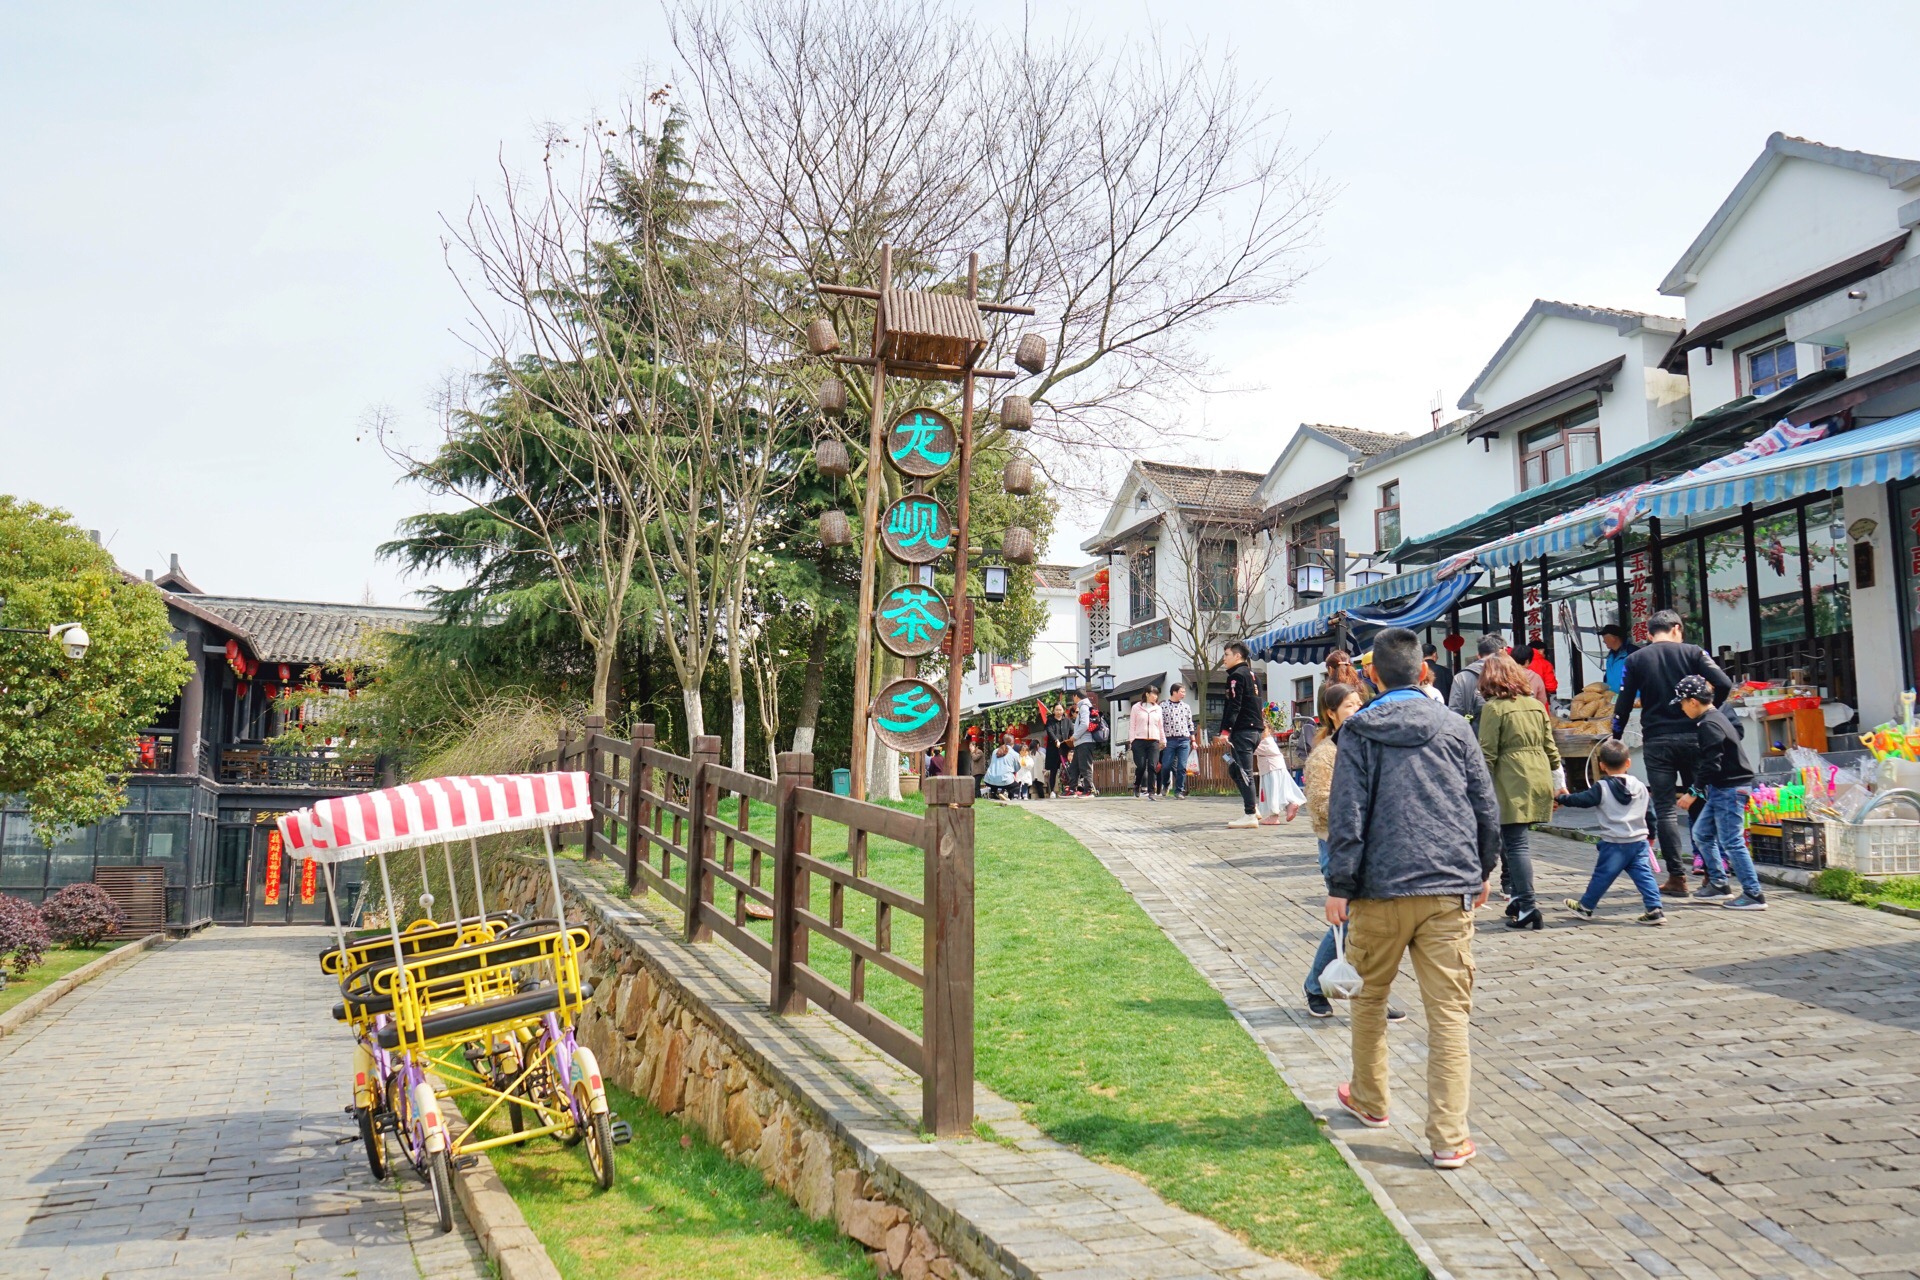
912,621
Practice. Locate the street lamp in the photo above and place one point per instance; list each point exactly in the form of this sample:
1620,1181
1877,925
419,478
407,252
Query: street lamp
993,582
1090,674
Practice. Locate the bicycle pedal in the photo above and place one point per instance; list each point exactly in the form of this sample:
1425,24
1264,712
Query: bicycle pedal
465,1162
622,1131
341,1142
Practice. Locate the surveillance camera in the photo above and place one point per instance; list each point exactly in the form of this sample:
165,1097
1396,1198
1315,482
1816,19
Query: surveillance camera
73,639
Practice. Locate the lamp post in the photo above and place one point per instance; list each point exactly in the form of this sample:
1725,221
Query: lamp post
1090,673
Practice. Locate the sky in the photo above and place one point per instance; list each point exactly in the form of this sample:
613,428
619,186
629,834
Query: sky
220,224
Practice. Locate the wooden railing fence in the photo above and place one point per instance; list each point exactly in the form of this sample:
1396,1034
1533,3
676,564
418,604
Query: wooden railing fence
1116,774
681,827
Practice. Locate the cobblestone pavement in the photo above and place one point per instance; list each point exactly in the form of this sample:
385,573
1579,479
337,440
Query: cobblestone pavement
1733,1095
178,1118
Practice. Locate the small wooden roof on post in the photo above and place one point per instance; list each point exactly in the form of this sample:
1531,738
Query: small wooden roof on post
938,329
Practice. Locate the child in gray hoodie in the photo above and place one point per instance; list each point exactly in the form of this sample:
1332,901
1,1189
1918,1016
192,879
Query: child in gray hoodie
1622,802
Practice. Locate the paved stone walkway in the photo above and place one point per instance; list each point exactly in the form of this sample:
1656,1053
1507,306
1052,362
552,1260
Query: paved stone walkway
178,1118
1733,1095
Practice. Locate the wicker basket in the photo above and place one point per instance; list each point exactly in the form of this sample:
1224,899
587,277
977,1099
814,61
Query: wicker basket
821,339
1889,848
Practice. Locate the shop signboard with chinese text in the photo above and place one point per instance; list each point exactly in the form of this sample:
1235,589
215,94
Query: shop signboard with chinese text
912,621
1639,592
910,715
1146,636
270,885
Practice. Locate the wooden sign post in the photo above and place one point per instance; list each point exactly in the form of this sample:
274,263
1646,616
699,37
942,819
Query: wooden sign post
929,337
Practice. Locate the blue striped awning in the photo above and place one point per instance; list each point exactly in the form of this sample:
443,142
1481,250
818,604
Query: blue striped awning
1426,607
1401,584
1885,451
1576,529
1307,632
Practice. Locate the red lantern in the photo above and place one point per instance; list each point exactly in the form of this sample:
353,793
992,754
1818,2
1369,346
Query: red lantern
1086,601
1454,643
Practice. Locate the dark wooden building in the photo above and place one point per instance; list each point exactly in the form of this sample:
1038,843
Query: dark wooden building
210,775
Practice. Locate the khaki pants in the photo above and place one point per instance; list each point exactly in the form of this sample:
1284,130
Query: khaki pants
1439,933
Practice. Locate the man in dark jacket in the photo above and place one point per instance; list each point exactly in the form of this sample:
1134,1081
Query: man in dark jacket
1442,673
1465,695
1669,742
1413,835
1240,724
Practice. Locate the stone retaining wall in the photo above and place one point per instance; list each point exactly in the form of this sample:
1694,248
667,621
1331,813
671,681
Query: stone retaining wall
658,1038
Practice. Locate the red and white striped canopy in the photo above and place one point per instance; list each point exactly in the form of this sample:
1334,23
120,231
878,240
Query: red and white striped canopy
434,812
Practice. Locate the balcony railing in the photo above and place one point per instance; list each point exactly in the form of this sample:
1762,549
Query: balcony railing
264,766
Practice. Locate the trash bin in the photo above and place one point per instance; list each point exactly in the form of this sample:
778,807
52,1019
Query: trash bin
843,782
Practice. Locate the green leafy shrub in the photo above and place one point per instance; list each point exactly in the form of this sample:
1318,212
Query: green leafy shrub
1842,884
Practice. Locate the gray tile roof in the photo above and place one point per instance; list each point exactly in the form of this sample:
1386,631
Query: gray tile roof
1367,442
1058,577
1207,488
303,631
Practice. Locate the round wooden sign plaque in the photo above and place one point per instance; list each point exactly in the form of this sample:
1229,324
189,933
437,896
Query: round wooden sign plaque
916,530
921,443
910,715
911,621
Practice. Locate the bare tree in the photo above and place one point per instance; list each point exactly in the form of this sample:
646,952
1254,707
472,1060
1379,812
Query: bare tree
1213,583
1131,198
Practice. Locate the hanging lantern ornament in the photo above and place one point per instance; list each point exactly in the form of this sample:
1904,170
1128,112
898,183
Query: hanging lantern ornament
835,531
823,341
830,459
1016,545
1017,477
1454,642
1016,413
1031,354
832,397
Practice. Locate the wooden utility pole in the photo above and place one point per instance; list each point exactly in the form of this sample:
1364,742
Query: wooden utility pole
961,528
869,550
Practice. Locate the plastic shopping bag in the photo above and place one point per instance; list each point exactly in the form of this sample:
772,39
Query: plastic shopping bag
1340,980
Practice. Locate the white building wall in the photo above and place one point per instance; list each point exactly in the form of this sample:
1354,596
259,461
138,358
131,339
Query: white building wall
1805,216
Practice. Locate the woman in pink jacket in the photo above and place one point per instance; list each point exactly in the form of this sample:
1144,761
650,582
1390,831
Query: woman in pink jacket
1148,735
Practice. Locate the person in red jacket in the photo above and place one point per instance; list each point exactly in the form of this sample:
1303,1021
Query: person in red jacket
1542,664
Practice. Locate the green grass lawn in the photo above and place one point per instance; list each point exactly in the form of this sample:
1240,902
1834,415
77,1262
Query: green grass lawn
60,962
1096,1025
679,1210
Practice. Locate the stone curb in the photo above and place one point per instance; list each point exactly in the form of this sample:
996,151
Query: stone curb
495,1216
14,1018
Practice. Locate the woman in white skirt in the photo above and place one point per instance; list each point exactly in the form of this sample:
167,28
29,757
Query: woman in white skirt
1279,793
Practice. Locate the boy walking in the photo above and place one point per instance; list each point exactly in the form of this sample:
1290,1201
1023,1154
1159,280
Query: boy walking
1622,802
1720,834
1413,833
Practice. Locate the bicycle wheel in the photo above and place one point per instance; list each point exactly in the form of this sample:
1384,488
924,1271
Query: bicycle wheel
599,1134
375,1142
440,1178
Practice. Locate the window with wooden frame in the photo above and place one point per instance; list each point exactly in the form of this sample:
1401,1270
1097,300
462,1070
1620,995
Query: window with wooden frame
1141,601
1769,366
1833,358
1386,518
1303,698
1560,447
1219,574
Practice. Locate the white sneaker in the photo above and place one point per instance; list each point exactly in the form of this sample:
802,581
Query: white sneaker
1243,823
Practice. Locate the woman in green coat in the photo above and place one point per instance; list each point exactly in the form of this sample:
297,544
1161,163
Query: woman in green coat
1517,739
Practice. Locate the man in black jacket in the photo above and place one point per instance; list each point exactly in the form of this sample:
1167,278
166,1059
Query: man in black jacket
1669,742
1413,833
1240,726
